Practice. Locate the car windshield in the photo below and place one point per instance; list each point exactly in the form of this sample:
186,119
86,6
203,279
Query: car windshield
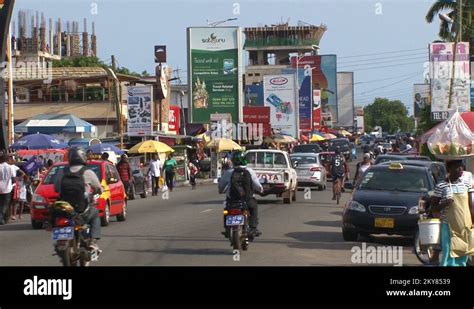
53,173
304,159
340,143
395,180
312,148
266,159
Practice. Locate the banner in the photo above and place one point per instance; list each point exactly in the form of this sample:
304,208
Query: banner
305,100
323,68
140,110
259,114
174,119
280,95
441,73
316,109
421,96
345,99
254,95
214,72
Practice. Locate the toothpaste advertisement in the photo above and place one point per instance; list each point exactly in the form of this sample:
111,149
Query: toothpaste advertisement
280,95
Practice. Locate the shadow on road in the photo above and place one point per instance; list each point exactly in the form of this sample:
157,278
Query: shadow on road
214,202
336,213
16,227
325,223
186,251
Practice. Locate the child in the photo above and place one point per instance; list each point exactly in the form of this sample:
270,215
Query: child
21,183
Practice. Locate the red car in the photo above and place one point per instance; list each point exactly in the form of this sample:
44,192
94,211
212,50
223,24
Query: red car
111,203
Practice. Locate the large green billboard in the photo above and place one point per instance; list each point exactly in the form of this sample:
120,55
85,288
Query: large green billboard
214,72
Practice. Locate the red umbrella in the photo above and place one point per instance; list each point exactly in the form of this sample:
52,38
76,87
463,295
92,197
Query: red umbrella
304,138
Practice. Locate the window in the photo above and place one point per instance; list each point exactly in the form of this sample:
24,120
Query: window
389,180
108,174
56,170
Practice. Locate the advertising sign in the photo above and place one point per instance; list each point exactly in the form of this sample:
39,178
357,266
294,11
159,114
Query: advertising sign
345,99
280,95
305,100
441,73
316,109
254,95
259,114
214,72
323,68
421,95
140,110
160,53
174,119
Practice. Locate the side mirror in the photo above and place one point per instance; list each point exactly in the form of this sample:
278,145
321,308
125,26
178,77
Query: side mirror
295,164
348,186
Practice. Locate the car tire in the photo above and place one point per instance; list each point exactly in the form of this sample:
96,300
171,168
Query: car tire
288,200
105,220
37,225
123,215
131,196
349,235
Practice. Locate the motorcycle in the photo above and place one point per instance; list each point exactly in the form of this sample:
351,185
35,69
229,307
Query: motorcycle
71,235
236,223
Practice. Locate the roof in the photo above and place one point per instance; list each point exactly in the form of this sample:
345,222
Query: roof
266,150
307,154
385,165
54,123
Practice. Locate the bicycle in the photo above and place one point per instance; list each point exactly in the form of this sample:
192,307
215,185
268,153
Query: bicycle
337,189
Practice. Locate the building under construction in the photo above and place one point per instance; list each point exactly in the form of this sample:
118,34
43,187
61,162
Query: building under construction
32,39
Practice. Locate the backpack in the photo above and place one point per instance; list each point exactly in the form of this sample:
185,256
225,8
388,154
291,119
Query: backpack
240,185
73,188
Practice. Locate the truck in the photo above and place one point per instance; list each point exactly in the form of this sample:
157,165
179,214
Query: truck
275,172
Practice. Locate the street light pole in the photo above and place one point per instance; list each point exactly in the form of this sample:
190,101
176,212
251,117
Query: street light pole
457,39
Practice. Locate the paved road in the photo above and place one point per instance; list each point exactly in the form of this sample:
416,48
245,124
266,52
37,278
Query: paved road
185,231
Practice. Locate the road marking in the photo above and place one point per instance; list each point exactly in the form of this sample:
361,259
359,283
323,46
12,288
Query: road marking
207,210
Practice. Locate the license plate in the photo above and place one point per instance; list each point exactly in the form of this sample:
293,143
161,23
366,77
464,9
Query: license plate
234,220
266,186
385,222
63,233
303,172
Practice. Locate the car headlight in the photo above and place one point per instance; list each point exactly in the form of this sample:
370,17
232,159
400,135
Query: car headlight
353,205
413,210
38,198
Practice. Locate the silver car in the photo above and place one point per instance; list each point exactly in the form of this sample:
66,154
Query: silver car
309,169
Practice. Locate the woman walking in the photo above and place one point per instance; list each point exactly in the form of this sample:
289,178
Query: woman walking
169,166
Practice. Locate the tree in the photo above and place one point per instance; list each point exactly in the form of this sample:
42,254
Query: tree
94,62
448,31
392,116
425,122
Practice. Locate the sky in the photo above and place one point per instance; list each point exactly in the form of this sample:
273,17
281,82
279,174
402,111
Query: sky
384,42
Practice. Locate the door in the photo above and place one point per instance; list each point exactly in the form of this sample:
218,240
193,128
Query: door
117,190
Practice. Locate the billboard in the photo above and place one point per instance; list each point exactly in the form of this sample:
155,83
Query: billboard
316,109
259,114
254,95
174,118
345,99
323,68
441,73
214,74
421,96
305,97
140,110
280,95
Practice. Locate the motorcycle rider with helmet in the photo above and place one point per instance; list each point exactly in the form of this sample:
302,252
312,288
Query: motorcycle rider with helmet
77,161
240,163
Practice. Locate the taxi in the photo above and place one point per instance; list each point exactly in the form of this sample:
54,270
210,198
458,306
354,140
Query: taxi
385,200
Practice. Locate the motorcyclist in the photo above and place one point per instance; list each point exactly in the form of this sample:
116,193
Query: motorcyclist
77,161
239,162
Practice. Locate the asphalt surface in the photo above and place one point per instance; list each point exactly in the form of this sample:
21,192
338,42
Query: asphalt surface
185,230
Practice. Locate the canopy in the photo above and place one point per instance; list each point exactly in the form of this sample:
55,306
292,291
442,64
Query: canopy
204,137
38,141
223,144
345,133
329,136
103,147
281,139
468,118
151,147
54,123
85,142
316,138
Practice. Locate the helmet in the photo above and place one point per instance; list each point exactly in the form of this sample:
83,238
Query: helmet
77,156
338,150
239,159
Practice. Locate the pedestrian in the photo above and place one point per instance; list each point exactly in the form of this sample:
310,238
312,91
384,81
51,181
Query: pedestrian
125,173
154,171
362,167
7,172
49,163
452,201
169,168
193,171
21,183
105,157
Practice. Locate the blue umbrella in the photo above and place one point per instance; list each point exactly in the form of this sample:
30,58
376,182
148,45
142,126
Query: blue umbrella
38,141
100,148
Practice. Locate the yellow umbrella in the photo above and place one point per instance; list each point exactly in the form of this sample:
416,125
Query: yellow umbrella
345,133
223,144
204,137
316,138
150,147
329,136
280,139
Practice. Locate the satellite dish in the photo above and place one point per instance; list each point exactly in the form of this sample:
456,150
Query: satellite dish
445,17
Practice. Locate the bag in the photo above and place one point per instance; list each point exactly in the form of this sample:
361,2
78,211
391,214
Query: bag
161,181
73,188
240,185
164,188
452,140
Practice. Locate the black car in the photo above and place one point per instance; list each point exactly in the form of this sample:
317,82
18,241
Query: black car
307,148
385,200
390,157
139,185
343,144
437,169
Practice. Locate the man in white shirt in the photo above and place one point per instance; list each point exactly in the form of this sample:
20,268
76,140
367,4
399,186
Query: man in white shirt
155,173
7,172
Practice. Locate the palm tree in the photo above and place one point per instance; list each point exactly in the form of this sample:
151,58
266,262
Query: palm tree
447,31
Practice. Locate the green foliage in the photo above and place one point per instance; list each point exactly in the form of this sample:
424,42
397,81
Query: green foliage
425,122
392,116
94,62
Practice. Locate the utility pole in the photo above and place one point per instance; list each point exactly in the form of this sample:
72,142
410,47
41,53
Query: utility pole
118,104
11,130
457,39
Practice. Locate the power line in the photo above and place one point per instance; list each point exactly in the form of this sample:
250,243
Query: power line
386,66
394,83
383,53
389,78
381,58
390,61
